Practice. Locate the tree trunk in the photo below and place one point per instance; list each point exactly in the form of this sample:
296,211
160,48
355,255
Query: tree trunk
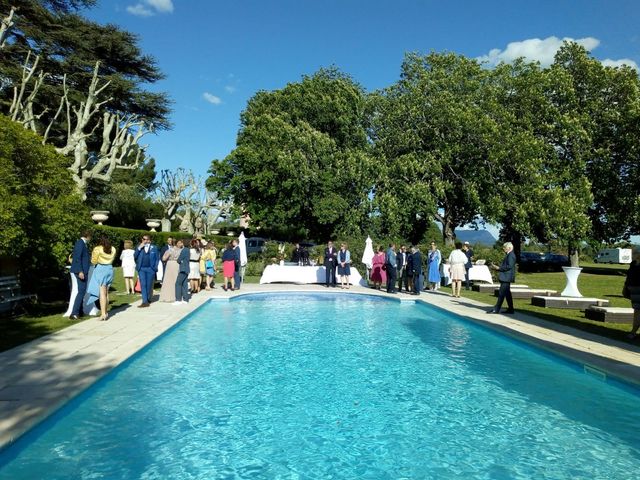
574,255
448,229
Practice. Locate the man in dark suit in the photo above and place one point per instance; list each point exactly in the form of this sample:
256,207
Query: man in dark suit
401,263
80,268
330,264
297,255
506,276
147,257
466,248
417,269
391,263
182,282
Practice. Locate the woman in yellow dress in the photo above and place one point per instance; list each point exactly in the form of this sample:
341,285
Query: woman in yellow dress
102,257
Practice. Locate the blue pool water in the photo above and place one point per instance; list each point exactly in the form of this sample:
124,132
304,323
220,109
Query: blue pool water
304,386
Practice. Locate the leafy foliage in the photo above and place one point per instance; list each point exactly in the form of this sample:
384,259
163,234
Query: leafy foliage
41,214
302,158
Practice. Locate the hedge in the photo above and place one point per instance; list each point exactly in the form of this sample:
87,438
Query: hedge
118,235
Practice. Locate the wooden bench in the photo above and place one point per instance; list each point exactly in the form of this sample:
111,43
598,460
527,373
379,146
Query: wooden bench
10,295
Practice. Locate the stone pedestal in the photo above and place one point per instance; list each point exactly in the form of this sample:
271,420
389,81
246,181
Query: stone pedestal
166,224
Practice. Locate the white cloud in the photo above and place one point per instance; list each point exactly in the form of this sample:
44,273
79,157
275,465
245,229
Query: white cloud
139,10
535,49
148,8
618,63
165,6
211,98
543,51
230,89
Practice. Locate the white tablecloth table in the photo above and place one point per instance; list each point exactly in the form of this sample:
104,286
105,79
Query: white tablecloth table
304,275
478,273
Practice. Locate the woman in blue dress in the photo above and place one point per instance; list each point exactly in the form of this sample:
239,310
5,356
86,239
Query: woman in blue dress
344,269
102,277
435,257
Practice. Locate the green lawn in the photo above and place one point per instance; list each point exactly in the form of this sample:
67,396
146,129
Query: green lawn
47,318
602,281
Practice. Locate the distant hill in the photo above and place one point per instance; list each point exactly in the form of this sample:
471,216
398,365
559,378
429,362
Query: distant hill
482,237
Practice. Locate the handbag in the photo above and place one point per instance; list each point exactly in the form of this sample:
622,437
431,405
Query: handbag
209,267
137,288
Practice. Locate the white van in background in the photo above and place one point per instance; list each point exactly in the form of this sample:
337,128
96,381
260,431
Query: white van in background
614,255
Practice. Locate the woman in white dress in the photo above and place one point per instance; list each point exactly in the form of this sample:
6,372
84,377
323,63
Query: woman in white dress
128,267
457,261
195,253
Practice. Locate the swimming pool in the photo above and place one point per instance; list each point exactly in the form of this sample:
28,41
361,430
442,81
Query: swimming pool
336,386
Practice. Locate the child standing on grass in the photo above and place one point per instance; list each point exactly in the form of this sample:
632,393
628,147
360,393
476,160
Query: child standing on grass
128,266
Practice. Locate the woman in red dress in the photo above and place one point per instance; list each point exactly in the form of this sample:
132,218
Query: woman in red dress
378,275
228,266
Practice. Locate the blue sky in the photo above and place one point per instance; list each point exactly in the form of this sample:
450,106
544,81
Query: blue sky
217,54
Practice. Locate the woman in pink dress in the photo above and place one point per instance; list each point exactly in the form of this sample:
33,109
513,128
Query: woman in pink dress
228,266
378,275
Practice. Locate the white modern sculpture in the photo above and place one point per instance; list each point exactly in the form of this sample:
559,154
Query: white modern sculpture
571,290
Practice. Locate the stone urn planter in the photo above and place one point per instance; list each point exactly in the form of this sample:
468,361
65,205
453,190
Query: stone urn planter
99,216
153,223
571,290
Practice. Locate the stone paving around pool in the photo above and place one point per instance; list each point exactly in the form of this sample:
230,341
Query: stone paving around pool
39,377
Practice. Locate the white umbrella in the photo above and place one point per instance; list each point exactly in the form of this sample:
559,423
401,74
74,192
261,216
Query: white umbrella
367,256
242,244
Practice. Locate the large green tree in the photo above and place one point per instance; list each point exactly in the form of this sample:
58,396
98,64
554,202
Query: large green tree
607,102
539,185
433,132
302,160
71,44
68,47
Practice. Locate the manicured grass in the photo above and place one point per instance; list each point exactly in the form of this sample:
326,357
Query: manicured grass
599,281
47,318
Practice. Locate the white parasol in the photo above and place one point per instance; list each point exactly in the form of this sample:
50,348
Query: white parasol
367,256
242,245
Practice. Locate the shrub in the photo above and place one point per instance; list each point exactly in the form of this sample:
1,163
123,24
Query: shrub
41,212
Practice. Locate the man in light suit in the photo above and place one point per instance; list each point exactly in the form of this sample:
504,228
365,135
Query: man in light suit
330,264
80,268
506,276
147,257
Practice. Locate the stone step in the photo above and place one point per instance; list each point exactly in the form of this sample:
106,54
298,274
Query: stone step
527,293
571,303
609,314
490,287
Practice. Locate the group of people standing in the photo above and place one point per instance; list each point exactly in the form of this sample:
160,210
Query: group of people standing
181,265
337,261
405,267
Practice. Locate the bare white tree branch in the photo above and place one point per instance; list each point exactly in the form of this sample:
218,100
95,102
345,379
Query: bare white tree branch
5,26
